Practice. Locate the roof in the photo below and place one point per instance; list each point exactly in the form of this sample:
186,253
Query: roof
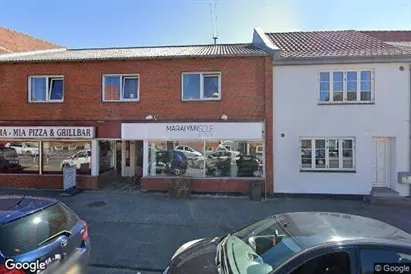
316,228
29,205
222,50
12,41
331,44
390,35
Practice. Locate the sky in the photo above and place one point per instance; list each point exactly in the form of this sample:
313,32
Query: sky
132,23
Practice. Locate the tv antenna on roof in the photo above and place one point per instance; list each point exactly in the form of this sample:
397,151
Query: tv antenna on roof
214,24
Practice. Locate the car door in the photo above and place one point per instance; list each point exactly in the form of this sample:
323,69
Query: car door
380,259
332,260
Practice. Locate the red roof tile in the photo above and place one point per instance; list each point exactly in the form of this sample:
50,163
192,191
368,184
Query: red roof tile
390,35
347,43
12,41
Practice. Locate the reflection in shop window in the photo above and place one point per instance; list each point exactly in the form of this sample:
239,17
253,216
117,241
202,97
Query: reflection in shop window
106,156
19,157
58,154
176,158
234,159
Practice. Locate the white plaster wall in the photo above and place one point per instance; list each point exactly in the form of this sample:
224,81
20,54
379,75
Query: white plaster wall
297,114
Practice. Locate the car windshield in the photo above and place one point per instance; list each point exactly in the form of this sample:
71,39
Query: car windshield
260,248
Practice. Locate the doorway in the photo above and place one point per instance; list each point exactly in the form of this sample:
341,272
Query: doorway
119,157
381,162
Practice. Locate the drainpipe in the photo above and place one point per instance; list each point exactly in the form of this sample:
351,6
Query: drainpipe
409,107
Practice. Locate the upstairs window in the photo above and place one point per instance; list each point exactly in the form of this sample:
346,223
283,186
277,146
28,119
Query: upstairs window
201,86
349,86
46,89
121,88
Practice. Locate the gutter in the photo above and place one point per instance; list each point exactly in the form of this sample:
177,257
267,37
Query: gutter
341,60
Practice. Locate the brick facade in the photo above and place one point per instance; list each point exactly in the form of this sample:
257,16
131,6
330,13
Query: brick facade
246,95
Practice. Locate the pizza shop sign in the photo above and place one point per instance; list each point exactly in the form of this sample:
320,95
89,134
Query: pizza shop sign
47,132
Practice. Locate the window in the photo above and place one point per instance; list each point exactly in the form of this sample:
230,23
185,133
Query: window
202,159
259,149
370,257
201,86
336,262
56,154
46,89
19,157
346,86
327,154
120,88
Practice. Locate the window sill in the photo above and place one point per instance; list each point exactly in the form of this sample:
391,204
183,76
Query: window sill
200,100
122,101
46,102
329,170
346,103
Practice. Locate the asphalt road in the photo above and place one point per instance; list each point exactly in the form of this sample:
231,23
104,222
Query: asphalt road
142,231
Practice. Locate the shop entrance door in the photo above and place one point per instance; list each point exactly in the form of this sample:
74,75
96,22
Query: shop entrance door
119,157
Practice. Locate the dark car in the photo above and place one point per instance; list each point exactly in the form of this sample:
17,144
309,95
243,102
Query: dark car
44,233
170,162
218,164
8,158
249,166
298,243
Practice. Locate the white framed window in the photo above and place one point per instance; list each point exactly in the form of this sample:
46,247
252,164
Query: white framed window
259,149
44,89
346,86
201,86
333,153
121,88
209,149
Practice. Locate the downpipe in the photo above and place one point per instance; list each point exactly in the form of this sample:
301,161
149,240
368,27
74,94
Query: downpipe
409,133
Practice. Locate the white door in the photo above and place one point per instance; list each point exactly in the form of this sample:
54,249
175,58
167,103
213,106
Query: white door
381,162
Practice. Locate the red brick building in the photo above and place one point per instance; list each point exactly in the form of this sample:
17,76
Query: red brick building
14,42
111,112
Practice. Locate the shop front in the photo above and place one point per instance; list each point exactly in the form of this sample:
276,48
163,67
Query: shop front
222,157
34,156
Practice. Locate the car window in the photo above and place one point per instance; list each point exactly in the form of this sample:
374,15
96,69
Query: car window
89,153
25,234
370,257
180,148
335,263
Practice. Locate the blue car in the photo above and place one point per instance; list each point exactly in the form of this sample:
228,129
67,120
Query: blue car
41,235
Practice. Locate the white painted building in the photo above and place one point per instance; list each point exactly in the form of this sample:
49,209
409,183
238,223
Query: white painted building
341,112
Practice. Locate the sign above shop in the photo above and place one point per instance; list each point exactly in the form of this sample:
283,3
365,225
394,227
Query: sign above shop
47,132
192,131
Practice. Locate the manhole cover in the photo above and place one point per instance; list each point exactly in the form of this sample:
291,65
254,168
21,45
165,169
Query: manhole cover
97,204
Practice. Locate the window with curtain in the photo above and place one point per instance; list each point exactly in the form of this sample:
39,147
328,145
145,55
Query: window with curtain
120,88
46,89
201,86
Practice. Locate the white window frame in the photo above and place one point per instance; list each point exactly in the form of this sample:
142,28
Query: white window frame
345,80
123,77
49,78
259,149
327,158
202,76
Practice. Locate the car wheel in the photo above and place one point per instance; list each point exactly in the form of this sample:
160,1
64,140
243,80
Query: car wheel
217,172
177,172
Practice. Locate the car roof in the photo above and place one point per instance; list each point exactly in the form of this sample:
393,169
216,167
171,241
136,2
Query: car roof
317,228
10,211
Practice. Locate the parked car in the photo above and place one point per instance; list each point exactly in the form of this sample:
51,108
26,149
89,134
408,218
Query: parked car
78,159
25,149
249,166
188,151
218,164
170,162
42,231
8,158
297,243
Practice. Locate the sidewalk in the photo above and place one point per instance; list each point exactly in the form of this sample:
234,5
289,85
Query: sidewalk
142,230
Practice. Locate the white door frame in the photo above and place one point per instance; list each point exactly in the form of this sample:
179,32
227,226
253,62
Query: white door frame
381,161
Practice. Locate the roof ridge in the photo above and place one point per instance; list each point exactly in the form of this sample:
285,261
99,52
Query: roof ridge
31,37
164,46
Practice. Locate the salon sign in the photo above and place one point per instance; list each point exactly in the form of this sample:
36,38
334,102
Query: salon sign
47,132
